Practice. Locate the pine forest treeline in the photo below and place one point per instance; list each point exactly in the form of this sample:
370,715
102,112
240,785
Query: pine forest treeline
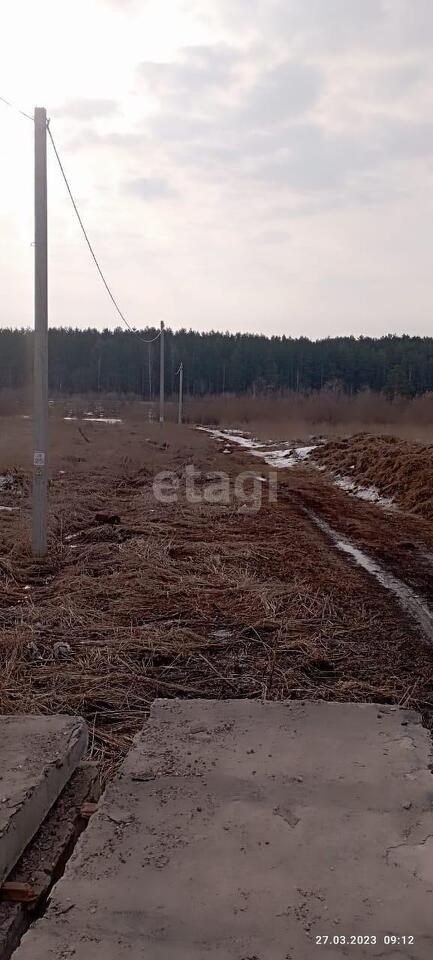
89,361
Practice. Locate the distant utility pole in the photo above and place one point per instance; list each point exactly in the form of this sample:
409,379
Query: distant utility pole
40,352
161,374
149,358
179,414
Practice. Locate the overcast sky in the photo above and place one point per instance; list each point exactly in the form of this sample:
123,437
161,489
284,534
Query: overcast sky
253,165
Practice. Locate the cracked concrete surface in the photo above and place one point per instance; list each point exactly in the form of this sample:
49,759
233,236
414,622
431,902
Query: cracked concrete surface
239,830
418,858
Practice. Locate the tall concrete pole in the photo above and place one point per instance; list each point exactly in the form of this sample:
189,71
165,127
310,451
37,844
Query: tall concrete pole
40,372
149,360
161,374
179,415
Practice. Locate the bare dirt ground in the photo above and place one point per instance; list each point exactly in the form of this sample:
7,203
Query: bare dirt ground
195,599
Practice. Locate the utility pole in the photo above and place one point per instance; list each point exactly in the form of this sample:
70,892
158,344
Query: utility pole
179,414
40,349
149,358
161,374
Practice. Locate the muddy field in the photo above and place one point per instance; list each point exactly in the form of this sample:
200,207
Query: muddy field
140,598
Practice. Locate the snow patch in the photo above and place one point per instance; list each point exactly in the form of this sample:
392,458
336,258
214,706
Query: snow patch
292,456
101,420
87,419
304,452
234,437
370,494
288,456
278,458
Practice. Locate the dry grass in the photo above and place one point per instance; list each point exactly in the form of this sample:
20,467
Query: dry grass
19,403
325,413
289,416
400,470
183,600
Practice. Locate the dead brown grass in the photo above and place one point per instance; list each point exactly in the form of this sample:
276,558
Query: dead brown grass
399,469
19,402
181,600
290,416
324,413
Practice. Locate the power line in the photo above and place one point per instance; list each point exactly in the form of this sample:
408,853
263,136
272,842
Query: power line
12,106
112,298
17,109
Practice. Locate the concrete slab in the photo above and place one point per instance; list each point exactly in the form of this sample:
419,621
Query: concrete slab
37,757
44,858
244,831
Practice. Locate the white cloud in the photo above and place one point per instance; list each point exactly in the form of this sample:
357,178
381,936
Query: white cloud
86,108
195,68
286,90
150,188
270,161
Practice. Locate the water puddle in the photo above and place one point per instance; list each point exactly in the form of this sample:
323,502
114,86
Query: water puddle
406,596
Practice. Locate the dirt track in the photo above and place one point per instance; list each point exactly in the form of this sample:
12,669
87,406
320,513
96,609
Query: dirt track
197,599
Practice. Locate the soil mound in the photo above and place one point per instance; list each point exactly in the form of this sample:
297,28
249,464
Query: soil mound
398,468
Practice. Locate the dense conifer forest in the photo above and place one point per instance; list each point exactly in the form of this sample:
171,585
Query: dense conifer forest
82,361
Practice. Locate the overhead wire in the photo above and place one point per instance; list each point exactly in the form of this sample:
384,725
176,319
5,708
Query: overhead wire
92,252
17,109
13,106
